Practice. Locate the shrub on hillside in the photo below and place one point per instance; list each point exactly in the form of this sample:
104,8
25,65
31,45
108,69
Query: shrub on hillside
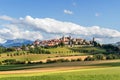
99,56
79,59
47,52
40,62
63,60
57,60
0,62
9,61
66,60
112,56
50,61
10,49
89,58
73,60
60,60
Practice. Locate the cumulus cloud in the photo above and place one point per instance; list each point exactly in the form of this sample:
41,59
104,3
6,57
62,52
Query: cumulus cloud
4,17
11,31
2,40
68,12
34,28
49,25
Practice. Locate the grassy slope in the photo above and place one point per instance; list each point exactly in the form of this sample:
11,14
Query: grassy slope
89,49
111,73
109,70
29,57
61,51
76,49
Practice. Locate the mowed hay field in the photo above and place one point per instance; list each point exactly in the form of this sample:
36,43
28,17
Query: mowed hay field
91,70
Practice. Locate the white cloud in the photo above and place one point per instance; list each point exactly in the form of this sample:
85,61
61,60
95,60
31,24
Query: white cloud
12,31
34,28
99,39
68,12
54,26
2,40
4,17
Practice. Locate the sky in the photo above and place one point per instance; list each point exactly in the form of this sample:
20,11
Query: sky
47,19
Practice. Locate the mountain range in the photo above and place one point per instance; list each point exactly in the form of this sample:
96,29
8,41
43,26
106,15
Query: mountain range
16,42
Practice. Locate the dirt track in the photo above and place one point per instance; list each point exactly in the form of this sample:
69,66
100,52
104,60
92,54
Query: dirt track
42,70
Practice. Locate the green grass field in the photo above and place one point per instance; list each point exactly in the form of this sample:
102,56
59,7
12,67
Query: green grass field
111,73
81,70
96,70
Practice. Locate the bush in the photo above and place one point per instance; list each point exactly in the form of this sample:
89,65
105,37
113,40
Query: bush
50,61
60,60
99,57
66,60
10,49
7,54
79,59
20,62
57,60
47,52
40,62
9,61
73,60
0,62
112,56
89,58
63,60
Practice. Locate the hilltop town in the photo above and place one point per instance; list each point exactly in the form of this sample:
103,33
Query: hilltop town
68,41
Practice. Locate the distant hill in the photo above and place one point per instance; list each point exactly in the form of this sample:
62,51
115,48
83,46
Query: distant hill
117,44
16,42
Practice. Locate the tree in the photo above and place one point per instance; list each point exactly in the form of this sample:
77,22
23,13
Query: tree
36,50
62,44
112,56
99,57
31,50
96,44
23,47
2,49
10,49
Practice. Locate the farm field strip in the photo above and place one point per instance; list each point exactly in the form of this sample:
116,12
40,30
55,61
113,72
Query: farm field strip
81,72
64,64
88,70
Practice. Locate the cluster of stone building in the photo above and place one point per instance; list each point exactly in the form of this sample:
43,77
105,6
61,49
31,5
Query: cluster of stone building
66,40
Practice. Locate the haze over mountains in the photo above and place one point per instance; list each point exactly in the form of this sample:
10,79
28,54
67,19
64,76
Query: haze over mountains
16,42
